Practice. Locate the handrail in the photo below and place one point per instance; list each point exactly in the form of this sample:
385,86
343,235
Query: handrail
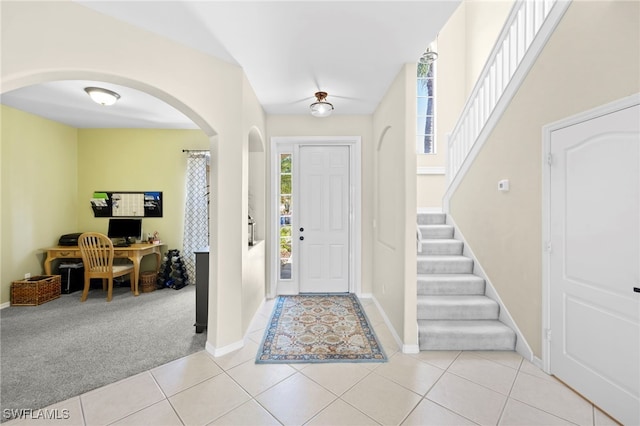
526,31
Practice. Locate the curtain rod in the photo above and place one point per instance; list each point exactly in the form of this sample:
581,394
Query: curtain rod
195,150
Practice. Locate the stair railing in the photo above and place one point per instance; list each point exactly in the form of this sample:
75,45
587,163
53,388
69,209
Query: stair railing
526,31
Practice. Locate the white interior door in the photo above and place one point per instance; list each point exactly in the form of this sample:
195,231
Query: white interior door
595,260
323,223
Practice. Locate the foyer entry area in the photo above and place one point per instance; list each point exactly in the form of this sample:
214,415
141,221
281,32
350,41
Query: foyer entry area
316,206
427,388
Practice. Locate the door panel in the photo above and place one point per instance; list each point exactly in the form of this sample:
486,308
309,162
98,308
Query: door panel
595,260
324,219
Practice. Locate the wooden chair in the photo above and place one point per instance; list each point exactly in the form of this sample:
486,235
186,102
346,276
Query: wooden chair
97,255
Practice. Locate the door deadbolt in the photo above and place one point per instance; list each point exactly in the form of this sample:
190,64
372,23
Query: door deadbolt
301,229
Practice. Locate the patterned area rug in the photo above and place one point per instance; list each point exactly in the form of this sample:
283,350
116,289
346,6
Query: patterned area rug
319,328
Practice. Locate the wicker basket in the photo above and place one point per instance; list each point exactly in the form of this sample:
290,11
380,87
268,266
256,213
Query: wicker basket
148,281
35,291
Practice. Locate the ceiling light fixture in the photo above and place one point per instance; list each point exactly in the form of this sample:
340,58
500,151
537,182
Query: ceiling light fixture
102,96
321,108
428,57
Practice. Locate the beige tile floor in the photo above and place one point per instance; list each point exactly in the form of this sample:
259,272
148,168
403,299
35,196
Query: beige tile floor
429,388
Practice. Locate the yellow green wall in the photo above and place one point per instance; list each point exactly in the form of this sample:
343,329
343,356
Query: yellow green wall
50,170
39,166
137,160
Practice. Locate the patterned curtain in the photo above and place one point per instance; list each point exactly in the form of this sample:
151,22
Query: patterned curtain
196,210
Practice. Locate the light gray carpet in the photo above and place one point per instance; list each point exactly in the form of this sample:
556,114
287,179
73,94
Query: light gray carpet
63,348
454,312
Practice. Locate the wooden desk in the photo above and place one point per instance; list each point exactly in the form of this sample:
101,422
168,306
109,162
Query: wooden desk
135,253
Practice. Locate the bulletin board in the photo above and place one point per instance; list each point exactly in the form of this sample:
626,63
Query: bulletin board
127,204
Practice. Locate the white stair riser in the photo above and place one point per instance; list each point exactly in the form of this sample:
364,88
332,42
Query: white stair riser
458,265
444,247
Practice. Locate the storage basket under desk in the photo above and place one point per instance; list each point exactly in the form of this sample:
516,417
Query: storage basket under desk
148,281
35,291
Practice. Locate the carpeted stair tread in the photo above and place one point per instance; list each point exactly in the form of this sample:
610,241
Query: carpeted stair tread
457,308
460,284
442,247
436,231
444,264
431,218
465,335
453,310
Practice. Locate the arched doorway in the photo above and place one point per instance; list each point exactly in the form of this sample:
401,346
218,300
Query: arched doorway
47,185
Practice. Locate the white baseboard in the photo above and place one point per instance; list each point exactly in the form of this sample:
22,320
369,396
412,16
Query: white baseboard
410,349
5,305
538,363
395,335
216,352
522,346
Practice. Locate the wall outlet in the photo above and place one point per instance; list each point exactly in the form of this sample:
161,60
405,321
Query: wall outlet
503,185
27,275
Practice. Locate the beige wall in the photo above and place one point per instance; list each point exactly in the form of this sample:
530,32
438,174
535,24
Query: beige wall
41,42
253,201
484,20
431,187
505,229
394,159
463,46
39,164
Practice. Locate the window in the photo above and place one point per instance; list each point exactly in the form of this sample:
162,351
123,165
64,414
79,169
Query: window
425,139
285,216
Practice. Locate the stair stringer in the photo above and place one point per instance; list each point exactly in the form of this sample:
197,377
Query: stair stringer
522,347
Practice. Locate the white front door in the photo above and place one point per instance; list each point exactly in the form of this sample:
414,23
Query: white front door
594,263
324,220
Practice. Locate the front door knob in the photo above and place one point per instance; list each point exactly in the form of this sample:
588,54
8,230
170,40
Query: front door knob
301,238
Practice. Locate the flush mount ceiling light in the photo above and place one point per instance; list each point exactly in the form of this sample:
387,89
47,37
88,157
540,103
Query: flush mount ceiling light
321,108
428,57
102,96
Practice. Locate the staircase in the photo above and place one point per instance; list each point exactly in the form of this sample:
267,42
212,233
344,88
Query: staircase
453,311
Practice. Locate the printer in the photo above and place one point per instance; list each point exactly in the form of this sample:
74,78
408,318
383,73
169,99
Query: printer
69,239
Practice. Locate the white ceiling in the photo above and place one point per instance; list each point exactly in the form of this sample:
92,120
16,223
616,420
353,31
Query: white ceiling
288,50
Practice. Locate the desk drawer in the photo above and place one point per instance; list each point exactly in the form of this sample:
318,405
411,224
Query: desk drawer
75,254
121,254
